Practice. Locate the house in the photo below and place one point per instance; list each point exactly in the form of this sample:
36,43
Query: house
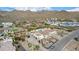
40,34
36,35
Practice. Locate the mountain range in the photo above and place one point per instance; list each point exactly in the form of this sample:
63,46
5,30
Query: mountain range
29,16
36,9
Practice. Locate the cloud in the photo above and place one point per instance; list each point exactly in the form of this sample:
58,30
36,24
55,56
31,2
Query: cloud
32,8
72,10
21,8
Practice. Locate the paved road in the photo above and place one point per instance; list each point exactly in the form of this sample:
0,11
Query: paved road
60,44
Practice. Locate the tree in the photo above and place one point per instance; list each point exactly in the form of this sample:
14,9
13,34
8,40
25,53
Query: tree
76,39
47,25
34,25
1,39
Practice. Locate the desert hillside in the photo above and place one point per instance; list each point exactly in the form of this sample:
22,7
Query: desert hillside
28,15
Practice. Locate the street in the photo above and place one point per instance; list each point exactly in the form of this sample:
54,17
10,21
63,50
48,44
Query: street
60,44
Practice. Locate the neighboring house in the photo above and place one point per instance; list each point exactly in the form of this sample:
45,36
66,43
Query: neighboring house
66,24
53,22
6,44
7,24
5,41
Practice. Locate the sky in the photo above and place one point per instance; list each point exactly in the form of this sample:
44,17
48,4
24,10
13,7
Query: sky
39,3
39,8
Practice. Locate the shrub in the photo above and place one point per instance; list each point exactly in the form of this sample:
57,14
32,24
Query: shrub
36,47
29,45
